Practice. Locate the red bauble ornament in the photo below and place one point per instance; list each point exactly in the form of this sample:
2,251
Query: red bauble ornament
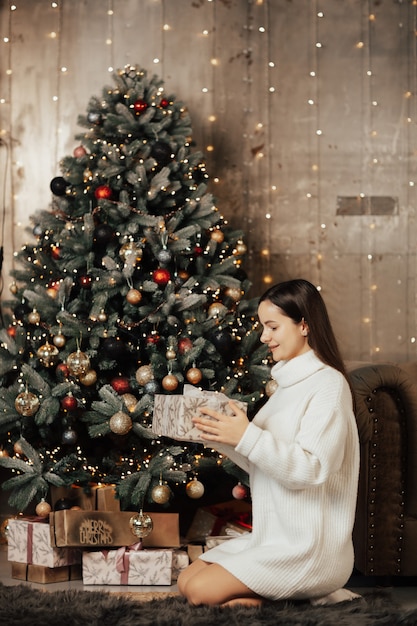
161,276
85,281
11,331
62,370
55,252
239,492
121,384
164,103
184,345
153,338
79,151
103,192
198,250
69,403
140,106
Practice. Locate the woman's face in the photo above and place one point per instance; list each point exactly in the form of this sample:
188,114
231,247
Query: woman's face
285,338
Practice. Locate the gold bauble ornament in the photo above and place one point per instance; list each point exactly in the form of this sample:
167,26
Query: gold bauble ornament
59,340
102,316
170,354
240,248
26,403
170,382
120,423
47,354
13,288
144,374
89,378
78,363
3,453
131,252
161,493
34,317
234,293
217,235
133,296
141,524
195,489
217,309
270,387
194,375
43,508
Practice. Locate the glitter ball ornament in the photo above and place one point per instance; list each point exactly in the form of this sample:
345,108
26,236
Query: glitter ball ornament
161,493
194,489
89,378
141,524
234,293
103,192
43,508
69,403
217,236
239,492
34,317
79,151
131,252
170,382
47,354
26,403
184,345
270,387
78,363
194,375
164,256
69,437
133,296
120,423
161,276
144,374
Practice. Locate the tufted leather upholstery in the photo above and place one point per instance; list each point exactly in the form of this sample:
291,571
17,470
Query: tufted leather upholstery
385,533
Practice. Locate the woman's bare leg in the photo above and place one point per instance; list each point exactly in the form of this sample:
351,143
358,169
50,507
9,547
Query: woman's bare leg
209,583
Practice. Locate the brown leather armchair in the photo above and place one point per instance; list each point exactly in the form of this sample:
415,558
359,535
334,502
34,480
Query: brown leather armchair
385,533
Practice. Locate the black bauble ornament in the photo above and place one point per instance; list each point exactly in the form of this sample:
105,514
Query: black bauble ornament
161,152
103,234
115,348
222,341
62,504
58,186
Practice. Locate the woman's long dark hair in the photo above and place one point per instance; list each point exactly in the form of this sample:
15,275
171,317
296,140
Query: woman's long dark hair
299,300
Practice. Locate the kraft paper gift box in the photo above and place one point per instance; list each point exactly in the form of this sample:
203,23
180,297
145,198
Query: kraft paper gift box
29,542
110,529
100,498
172,415
127,567
45,575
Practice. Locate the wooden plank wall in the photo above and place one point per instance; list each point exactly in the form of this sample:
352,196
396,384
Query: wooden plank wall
294,103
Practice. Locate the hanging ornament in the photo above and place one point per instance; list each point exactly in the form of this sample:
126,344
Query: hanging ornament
133,296
103,192
69,403
103,234
59,340
152,387
79,151
102,316
140,106
94,117
161,493
234,293
153,338
270,387
85,281
239,491
130,401
58,186
164,103
43,508
47,354
63,504
89,378
69,437
11,331
223,342
13,288
184,345
78,363
144,374
164,256
141,524
37,230
131,252
161,152
217,235
194,489
181,277
198,250
161,276
217,309
120,423
62,371
120,384
170,354
194,375
170,382
26,403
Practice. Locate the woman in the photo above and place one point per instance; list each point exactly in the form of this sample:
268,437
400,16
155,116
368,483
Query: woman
302,454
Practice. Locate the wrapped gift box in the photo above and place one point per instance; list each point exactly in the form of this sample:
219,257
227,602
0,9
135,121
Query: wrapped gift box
180,561
172,414
29,541
106,529
45,575
220,519
127,567
99,498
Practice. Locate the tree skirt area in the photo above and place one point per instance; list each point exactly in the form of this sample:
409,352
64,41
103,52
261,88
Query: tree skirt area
21,605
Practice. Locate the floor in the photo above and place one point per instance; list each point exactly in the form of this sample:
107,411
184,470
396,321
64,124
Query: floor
404,594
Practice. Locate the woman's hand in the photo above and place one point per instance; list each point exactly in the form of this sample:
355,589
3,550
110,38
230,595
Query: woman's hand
228,429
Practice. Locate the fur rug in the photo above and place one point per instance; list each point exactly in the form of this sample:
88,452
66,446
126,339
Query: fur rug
21,605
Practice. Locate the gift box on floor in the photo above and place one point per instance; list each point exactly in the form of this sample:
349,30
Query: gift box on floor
172,415
233,517
180,561
97,498
45,575
29,541
107,529
127,567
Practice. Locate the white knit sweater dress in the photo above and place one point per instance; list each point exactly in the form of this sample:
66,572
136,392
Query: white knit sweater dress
302,454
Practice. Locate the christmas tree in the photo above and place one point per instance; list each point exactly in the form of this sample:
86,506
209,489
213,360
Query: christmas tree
134,286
